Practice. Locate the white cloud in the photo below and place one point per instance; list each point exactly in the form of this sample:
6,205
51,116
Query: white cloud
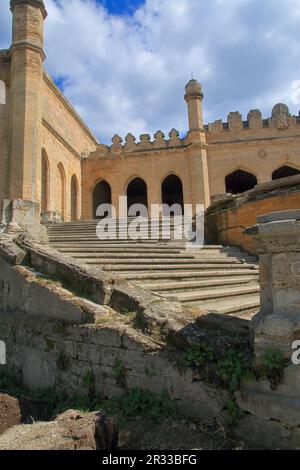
127,73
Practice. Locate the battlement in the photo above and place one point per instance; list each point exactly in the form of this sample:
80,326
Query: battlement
130,145
281,119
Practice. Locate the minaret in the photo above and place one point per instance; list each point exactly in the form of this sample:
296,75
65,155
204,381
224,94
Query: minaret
27,57
196,139
194,97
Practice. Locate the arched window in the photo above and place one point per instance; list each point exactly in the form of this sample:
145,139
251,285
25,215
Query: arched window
2,92
137,193
172,191
240,181
62,179
101,195
74,198
45,183
284,172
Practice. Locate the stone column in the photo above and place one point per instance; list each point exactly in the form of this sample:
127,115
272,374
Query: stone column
196,139
27,56
277,238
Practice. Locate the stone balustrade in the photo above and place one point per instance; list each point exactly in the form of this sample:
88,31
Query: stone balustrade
277,237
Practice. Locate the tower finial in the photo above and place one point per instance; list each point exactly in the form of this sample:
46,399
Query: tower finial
36,3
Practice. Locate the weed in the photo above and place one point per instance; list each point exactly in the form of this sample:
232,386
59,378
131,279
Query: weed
227,371
271,365
119,372
234,411
233,369
139,402
198,356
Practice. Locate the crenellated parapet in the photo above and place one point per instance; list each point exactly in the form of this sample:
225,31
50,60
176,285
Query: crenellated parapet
280,119
131,145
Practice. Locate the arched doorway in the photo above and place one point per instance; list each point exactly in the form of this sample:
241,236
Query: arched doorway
172,191
45,183
101,195
240,181
62,179
137,193
284,172
74,198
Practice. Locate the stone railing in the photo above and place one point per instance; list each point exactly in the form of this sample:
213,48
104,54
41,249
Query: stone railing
277,237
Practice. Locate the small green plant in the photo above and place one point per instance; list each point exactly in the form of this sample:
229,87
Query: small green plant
227,371
119,372
127,312
139,402
271,365
234,411
198,356
233,369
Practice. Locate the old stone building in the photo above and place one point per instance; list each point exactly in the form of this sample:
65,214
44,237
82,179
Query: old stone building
50,157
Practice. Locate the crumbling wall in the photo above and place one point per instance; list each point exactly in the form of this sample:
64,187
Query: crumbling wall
227,219
110,337
58,340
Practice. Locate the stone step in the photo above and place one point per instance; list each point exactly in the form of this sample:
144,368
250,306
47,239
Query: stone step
192,285
167,267
215,293
155,263
243,306
120,223
114,251
93,238
216,277
150,255
98,244
191,275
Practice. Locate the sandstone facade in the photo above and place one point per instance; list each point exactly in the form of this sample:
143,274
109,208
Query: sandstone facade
49,156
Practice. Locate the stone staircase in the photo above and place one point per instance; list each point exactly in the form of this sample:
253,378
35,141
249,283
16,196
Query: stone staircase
217,278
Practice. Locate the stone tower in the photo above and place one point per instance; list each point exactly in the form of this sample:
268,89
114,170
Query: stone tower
197,140
27,57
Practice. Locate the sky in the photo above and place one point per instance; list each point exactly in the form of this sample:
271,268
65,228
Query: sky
124,64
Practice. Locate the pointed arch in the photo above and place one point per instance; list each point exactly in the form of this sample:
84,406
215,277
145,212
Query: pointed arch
62,177
137,192
285,171
45,182
74,198
172,191
240,181
101,195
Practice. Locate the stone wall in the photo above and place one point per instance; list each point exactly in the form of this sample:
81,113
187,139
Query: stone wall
58,340
258,146
64,139
227,218
118,169
70,328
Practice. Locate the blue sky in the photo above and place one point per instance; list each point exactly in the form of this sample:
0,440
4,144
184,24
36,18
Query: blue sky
124,64
121,7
